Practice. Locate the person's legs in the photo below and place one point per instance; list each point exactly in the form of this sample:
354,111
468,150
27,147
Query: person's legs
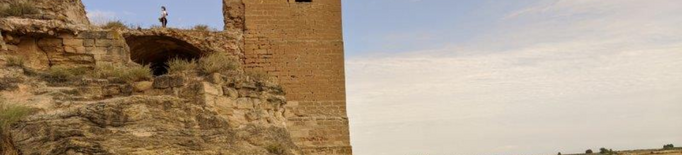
164,22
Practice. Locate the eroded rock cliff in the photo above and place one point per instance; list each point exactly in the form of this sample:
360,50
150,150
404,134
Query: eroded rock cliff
48,65
173,114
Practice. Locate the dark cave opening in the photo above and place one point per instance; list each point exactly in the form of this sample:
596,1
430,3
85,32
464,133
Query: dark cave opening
156,51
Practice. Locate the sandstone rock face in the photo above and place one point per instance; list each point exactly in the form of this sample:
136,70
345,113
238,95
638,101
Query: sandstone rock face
95,116
71,11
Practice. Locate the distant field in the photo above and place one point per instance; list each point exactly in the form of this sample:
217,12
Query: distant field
676,151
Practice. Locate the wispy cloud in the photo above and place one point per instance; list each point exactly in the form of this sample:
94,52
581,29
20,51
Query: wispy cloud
99,17
590,73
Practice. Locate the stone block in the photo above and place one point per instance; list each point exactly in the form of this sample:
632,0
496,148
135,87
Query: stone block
103,42
142,86
112,90
166,81
127,89
81,58
215,78
89,42
244,92
231,92
92,35
50,42
244,103
74,49
211,89
73,42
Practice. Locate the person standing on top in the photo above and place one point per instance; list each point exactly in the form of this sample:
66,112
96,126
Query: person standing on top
163,19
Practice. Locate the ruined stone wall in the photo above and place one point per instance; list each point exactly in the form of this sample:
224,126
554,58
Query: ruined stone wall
301,44
44,44
71,11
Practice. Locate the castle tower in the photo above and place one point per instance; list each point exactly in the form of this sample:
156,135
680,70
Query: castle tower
300,42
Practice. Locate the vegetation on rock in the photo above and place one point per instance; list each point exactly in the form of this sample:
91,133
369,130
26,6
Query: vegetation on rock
123,73
202,27
15,61
10,82
18,9
218,62
58,74
115,25
178,65
9,115
275,149
120,73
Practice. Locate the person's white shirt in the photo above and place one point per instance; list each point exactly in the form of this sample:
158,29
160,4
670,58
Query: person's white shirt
164,13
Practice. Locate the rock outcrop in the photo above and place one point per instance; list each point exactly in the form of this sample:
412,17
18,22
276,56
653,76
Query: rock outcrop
179,113
71,11
176,114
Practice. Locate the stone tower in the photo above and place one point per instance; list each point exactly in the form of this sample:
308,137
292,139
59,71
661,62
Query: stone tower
300,42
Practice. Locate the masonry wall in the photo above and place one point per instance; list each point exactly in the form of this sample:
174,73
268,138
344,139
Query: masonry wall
85,49
301,44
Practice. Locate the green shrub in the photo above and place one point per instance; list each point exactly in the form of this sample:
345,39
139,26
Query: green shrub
589,151
275,149
178,65
606,151
15,61
64,74
18,9
115,25
668,146
123,73
11,113
202,27
218,62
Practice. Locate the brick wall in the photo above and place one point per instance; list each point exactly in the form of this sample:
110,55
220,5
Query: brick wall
302,45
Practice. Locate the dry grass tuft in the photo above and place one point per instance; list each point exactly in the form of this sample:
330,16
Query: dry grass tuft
11,113
123,73
178,65
17,9
202,27
58,74
275,149
218,62
15,61
115,25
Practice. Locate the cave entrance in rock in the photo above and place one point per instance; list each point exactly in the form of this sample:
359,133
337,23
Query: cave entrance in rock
156,51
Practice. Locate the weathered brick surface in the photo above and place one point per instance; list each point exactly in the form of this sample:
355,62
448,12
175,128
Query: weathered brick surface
302,45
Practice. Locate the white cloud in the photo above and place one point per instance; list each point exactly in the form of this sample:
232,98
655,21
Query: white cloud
583,72
99,17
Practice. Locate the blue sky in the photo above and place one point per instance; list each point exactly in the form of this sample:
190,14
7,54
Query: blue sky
443,77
